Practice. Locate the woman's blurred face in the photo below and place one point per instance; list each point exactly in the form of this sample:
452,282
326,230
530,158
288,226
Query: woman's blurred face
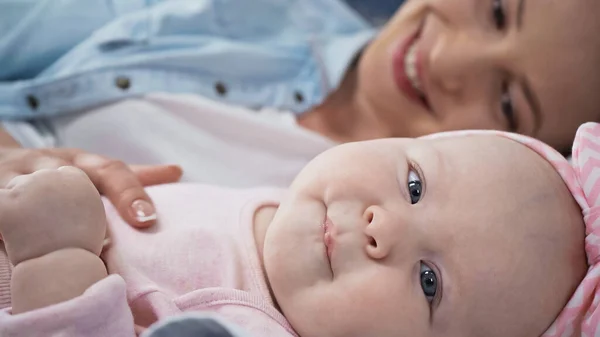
528,66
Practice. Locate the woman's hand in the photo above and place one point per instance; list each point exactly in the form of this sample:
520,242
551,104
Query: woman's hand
122,184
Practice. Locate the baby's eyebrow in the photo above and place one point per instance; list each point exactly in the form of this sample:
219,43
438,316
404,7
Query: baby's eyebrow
442,162
437,175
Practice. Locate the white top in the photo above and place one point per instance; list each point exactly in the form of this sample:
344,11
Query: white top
213,142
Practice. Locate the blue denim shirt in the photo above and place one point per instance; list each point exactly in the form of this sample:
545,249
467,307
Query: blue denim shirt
59,57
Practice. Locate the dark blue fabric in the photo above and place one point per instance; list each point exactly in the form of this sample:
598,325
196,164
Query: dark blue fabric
191,326
377,12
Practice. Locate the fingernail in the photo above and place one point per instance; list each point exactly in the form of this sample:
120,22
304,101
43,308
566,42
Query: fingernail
143,211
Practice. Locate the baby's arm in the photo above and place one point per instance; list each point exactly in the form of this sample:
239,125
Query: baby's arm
53,227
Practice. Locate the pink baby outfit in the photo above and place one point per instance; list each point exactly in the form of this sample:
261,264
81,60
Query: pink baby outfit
201,256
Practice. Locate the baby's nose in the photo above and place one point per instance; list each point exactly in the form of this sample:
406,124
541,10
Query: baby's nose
380,232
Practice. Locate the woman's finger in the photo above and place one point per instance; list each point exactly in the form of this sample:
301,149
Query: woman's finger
121,186
25,161
47,162
157,174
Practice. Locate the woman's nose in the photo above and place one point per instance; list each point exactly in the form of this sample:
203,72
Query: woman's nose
382,232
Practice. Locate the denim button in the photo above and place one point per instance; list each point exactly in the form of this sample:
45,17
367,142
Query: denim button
298,97
33,102
123,82
220,88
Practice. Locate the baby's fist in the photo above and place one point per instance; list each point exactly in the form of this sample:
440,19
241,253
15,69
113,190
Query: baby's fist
49,210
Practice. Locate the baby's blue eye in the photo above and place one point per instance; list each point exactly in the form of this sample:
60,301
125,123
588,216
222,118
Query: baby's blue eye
429,282
414,187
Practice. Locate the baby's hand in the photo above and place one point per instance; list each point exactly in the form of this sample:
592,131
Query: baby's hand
50,210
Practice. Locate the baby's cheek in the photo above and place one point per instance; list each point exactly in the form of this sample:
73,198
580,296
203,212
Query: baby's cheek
400,308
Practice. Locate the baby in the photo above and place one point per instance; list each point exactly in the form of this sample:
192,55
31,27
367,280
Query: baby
461,234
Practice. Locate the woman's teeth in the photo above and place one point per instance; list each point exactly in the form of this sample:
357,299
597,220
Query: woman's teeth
410,67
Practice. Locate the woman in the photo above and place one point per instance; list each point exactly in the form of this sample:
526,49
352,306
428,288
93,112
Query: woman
316,76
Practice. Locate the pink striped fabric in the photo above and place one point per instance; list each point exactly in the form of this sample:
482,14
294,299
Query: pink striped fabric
581,315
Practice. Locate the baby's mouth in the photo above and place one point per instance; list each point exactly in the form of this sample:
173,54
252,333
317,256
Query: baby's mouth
328,238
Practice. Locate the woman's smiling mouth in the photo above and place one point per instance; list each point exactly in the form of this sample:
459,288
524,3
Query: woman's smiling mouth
407,65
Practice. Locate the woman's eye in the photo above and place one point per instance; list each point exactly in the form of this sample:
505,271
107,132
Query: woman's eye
498,14
429,282
508,109
414,187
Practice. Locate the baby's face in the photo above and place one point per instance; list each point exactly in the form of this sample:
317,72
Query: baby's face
468,236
